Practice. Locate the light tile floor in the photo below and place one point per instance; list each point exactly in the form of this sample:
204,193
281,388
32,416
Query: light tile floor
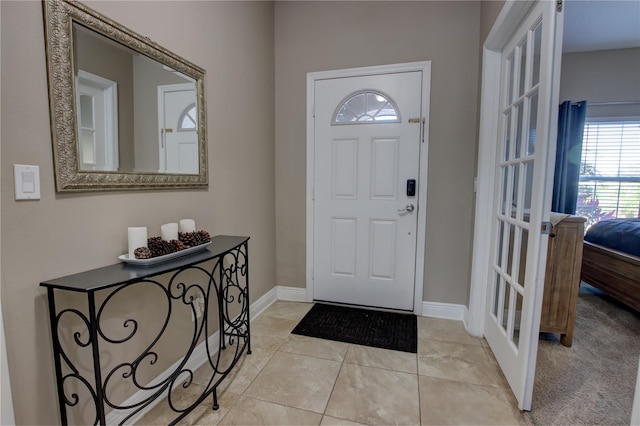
294,380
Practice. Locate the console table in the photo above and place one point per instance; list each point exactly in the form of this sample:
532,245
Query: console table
97,351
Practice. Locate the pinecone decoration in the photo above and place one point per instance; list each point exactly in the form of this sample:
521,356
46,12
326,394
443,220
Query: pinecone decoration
142,253
159,247
177,245
205,236
189,239
192,239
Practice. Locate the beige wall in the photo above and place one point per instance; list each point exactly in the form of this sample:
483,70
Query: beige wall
489,11
602,76
67,233
317,36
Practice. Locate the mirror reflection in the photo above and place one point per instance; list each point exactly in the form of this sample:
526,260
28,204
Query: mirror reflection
134,114
126,113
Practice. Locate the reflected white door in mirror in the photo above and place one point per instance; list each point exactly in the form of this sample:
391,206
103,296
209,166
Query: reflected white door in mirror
178,120
97,101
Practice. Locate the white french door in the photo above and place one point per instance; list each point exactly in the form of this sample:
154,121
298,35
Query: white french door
521,199
367,143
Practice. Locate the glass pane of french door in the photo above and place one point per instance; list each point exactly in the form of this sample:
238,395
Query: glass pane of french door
515,177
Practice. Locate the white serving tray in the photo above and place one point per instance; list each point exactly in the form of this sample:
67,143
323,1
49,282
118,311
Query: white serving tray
152,261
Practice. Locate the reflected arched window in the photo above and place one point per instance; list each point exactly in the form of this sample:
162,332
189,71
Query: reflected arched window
188,118
367,107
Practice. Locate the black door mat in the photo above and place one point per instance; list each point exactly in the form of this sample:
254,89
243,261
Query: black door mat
380,329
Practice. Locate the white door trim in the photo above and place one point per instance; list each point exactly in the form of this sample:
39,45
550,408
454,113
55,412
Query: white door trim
425,67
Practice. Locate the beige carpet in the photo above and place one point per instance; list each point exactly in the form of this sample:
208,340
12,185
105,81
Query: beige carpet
592,382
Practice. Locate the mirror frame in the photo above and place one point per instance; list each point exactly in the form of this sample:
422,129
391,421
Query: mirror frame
59,16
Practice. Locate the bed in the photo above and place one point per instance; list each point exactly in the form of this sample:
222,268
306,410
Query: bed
611,259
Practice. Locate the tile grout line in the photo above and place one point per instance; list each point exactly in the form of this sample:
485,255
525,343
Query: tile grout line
333,388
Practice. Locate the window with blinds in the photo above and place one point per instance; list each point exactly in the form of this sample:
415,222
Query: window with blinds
610,171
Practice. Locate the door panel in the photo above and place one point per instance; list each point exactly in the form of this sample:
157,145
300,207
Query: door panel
364,247
516,266
384,173
382,237
343,238
345,169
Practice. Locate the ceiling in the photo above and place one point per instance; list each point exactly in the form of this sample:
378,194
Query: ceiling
601,25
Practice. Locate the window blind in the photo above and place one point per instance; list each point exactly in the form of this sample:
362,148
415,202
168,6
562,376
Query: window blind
610,171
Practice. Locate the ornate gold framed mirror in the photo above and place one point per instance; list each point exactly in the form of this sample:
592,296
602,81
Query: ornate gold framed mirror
126,113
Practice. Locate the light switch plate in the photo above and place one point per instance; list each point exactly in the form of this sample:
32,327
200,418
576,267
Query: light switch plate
27,182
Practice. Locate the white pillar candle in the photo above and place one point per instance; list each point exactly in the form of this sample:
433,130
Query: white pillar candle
169,231
137,237
187,225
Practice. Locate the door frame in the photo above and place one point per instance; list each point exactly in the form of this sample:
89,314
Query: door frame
312,77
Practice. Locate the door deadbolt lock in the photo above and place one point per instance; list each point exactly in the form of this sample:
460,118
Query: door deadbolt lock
411,187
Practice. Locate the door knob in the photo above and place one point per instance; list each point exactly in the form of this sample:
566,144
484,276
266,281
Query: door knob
408,209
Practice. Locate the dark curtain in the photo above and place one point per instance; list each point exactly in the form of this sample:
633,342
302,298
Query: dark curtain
568,154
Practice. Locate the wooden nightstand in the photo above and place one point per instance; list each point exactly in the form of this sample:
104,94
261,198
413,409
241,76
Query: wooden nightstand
562,278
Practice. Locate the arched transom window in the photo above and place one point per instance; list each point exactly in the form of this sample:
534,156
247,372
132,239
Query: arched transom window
188,118
367,107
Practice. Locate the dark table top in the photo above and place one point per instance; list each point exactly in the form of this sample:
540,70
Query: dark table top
123,273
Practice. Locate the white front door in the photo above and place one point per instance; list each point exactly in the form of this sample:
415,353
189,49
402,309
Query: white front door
367,143
526,124
178,128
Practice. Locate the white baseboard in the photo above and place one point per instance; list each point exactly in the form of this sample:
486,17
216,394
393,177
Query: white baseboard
263,303
292,294
429,309
449,311
444,310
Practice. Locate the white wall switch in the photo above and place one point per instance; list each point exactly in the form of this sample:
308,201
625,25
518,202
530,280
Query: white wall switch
27,182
